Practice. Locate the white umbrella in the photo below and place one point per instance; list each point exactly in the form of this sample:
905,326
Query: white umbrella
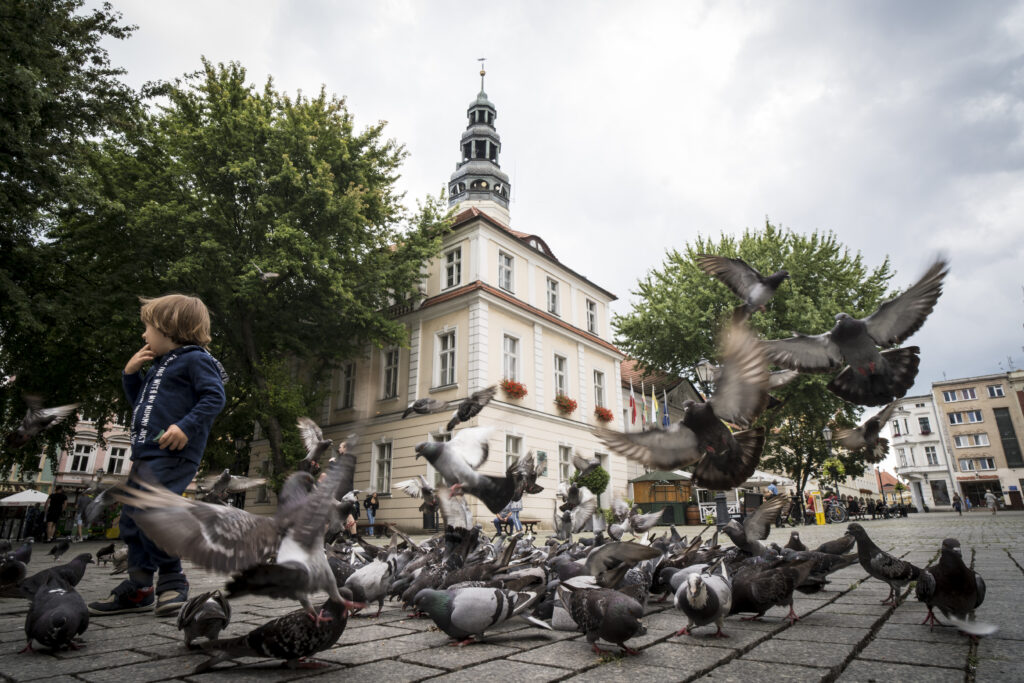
759,478
26,497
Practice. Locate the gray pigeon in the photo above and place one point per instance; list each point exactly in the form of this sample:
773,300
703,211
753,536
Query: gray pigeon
571,517
868,377
37,418
705,598
609,563
956,589
794,542
313,439
419,488
881,565
204,616
24,551
602,613
630,520
583,466
837,546
56,616
425,406
372,581
471,407
465,614
722,459
119,560
866,437
748,536
749,285
218,487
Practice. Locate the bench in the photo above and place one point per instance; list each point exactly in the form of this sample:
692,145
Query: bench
379,528
529,526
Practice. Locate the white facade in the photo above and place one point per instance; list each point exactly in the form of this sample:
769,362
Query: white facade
922,460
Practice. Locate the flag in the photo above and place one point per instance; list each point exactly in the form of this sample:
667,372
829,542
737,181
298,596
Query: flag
643,406
632,403
664,417
654,407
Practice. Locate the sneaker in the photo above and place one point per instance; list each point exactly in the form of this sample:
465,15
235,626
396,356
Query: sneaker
124,599
169,603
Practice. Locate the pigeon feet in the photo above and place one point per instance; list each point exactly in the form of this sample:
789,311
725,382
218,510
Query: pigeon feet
753,618
684,631
792,616
930,619
27,648
462,643
630,651
599,651
719,634
310,664
455,490
320,618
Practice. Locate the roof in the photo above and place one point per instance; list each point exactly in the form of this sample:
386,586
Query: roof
885,479
633,370
660,475
533,242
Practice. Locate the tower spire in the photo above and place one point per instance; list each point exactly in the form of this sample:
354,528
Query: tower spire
483,72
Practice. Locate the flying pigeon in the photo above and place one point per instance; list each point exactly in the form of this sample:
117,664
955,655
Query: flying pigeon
868,377
313,439
96,505
602,613
59,549
583,466
705,598
722,459
472,406
36,419
292,637
216,488
881,565
794,542
465,614
56,616
264,276
70,573
419,488
425,406
956,589
866,437
105,554
571,520
227,539
749,285
629,520
204,616
748,536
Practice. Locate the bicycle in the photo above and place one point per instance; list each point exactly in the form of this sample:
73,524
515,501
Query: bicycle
836,512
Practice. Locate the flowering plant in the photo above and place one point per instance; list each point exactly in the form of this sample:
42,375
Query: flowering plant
565,404
513,389
603,414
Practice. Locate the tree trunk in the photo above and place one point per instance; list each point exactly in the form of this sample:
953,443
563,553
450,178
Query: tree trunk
272,424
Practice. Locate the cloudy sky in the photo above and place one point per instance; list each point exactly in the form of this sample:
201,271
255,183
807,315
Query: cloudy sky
629,128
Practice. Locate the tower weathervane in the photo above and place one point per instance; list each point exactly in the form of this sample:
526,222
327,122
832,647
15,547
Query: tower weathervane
482,71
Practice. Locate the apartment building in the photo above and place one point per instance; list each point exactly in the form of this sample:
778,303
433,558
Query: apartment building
922,459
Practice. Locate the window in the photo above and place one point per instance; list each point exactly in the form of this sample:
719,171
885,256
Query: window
995,390
347,389
956,418
949,396
925,425
453,267
598,388
391,374
970,440
966,465
446,358
80,460
560,364
552,296
382,467
505,271
919,405
591,316
510,358
896,428
932,457
902,454
115,460
986,464
564,463
968,394
974,416
513,448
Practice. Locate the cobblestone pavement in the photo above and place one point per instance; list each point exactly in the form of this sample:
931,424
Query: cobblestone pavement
843,634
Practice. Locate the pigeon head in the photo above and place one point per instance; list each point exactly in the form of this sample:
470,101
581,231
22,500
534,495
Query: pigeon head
856,530
349,601
85,558
429,450
432,601
951,545
696,590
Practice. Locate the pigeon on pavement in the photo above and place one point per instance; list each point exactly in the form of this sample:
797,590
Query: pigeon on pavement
881,565
794,542
56,616
24,551
837,546
59,548
868,377
602,613
749,285
722,459
204,616
866,437
757,588
465,614
36,419
956,589
71,573
705,598
105,554
748,536
472,406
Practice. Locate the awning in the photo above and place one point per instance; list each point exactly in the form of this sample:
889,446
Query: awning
26,497
661,475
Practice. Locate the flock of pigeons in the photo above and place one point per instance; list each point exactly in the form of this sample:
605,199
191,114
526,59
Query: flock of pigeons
468,583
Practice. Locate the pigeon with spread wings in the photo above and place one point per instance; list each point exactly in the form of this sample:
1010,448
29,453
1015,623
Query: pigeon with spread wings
745,282
472,406
868,377
867,437
315,443
722,459
37,418
217,487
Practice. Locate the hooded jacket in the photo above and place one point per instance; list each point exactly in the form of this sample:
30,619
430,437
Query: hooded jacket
185,387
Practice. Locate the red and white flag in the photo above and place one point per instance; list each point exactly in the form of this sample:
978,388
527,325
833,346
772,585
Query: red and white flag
632,403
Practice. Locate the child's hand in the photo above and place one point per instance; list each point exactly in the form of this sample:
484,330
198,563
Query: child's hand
141,357
173,438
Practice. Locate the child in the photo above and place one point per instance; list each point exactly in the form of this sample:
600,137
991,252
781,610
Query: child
173,408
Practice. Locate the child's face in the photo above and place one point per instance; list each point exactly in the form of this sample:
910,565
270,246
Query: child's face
159,343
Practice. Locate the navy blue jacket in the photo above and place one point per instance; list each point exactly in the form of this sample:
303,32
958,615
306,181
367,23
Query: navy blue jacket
185,387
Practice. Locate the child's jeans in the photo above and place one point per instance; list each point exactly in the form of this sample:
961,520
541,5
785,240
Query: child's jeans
144,558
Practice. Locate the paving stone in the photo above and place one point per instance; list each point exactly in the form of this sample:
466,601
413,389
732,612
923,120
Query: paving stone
687,661
145,672
920,633
860,671
530,638
33,667
614,672
745,671
821,619
739,638
999,648
452,658
829,634
372,633
929,654
264,671
362,653
143,644
571,654
806,653
390,671
503,670
871,608
997,670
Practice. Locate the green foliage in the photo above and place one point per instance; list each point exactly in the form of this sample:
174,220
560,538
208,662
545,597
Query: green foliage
833,470
680,311
596,481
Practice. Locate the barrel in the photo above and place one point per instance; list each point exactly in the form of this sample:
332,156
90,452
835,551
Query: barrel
693,514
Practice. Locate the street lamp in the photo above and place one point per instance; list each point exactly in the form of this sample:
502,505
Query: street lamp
705,370
827,433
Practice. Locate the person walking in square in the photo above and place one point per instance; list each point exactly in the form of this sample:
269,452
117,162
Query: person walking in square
990,500
371,504
174,405
54,509
957,504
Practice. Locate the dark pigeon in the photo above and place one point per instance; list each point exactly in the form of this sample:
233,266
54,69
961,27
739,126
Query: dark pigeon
748,536
881,565
59,548
955,589
218,488
794,542
602,613
425,406
56,616
291,638
866,437
24,551
749,285
471,407
759,588
722,459
36,419
105,554
837,546
465,614
204,616
12,572
824,564
70,573
868,376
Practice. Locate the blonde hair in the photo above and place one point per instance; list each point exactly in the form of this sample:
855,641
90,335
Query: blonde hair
183,319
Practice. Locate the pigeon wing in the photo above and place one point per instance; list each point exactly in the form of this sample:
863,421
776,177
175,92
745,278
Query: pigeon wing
47,417
470,445
312,438
742,390
807,353
733,272
642,523
308,527
582,513
897,319
410,487
454,511
757,525
661,448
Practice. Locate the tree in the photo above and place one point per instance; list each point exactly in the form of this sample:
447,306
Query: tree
833,470
213,188
680,311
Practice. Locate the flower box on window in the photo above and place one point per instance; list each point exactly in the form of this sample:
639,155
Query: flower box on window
513,389
566,406
603,414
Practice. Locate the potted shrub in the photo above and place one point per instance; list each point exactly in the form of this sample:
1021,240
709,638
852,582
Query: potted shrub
513,389
603,414
566,406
